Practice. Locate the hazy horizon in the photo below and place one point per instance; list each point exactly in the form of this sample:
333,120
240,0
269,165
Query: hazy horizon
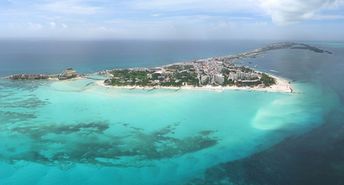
172,20
40,39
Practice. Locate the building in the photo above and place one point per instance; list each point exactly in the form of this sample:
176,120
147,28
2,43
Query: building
68,74
219,79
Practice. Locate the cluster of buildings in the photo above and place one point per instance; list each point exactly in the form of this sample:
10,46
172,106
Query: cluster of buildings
217,71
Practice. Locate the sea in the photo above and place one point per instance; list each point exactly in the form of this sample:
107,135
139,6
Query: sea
77,132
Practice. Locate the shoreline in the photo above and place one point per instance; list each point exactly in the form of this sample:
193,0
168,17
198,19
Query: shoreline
282,86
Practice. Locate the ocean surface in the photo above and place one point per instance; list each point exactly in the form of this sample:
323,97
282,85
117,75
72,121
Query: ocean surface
77,132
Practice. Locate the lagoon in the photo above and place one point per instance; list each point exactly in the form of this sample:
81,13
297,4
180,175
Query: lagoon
83,133
77,132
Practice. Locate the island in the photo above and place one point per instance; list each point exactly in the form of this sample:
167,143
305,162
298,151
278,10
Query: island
201,73
68,73
210,73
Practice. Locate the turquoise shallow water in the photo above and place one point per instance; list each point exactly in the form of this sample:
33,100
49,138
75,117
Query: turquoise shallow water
76,132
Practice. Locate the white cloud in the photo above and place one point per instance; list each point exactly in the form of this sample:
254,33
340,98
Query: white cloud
291,11
64,26
69,7
34,26
195,5
328,17
52,25
180,19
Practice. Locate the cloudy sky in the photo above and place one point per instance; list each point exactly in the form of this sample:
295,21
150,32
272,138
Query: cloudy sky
173,19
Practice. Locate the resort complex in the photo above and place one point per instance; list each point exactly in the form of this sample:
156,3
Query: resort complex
209,72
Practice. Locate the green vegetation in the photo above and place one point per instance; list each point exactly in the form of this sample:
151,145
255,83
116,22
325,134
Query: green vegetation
180,75
130,77
153,78
187,77
246,70
225,71
130,74
267,80
228,82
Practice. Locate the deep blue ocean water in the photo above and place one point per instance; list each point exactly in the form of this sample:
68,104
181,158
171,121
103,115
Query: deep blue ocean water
90,56
77,132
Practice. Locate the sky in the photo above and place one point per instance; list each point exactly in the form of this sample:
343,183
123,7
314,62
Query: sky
173,19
